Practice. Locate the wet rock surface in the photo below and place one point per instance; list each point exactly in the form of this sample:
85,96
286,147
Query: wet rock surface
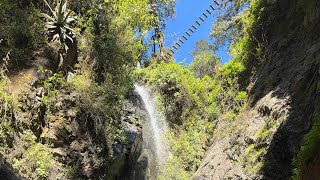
130,162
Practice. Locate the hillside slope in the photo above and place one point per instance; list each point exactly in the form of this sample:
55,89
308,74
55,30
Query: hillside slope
284,103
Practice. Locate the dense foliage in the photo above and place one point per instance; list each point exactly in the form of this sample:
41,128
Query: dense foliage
21,32
308,156
227,29
205,62
99,44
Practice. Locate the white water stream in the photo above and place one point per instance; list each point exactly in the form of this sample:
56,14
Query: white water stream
157,126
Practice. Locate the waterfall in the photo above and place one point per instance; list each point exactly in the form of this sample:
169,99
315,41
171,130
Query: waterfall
155,126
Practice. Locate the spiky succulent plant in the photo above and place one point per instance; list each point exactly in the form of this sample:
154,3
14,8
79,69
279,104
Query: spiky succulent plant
58,24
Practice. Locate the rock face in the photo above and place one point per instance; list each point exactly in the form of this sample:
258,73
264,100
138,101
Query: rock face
76,139
73,141
240,150
6,172
129,162
284,101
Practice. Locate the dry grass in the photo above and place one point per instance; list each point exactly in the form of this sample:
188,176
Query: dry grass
20,81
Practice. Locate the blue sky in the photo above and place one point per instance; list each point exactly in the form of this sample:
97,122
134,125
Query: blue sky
187,12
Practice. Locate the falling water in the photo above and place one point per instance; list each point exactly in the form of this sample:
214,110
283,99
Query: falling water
157,126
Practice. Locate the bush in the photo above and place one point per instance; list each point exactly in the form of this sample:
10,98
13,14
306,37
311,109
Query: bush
37,160
174,170
22,32
6,113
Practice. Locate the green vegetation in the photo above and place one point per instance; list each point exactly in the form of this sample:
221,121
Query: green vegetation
21,32
194,103
37,162
97,44
191,103
254,157
6,105
307,158
110,41
247,28
86,53
58,26
228,28
204,61
6,102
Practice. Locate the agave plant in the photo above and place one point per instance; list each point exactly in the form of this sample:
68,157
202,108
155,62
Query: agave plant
57,24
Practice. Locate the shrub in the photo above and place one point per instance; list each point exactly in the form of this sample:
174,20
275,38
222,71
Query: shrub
22,32
308,154
37,160
174,170
6,110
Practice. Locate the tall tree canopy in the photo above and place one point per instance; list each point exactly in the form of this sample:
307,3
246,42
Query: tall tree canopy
227,27
204,60
201,45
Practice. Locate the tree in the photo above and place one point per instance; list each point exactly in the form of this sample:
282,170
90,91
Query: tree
228,26
204,63
161,9
201,46
204,60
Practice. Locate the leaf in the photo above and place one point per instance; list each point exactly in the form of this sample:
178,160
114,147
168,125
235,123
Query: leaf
66,17
70,29
47,16
60,19
52,30
70,38
63,35
64,7
66,48
61,12
50,23
51,26
52,11
69,20
55,37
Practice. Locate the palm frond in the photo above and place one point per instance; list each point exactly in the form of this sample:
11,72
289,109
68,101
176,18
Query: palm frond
55,37
70,29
